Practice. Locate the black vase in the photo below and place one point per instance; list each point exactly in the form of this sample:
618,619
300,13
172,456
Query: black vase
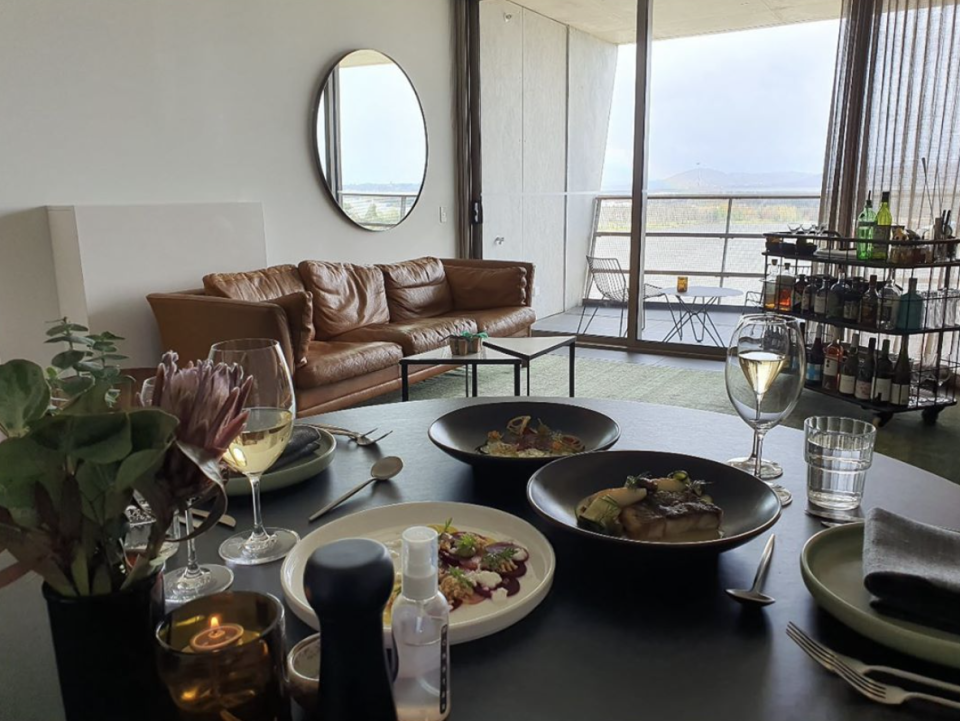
105,657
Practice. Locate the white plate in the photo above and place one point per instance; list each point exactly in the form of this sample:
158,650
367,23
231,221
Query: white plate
388,522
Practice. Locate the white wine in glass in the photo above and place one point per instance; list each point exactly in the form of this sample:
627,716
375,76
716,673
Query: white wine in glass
761,369
265,435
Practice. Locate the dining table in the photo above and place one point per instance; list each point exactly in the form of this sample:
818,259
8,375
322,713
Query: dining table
621,635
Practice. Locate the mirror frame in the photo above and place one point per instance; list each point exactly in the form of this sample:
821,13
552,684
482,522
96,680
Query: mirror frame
315,117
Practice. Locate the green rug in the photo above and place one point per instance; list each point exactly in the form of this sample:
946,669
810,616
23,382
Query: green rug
906,437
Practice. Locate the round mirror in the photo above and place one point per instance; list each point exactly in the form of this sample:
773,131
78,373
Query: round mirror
371,139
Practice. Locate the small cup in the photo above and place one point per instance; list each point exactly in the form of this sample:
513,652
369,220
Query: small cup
303,672
683,283
838,452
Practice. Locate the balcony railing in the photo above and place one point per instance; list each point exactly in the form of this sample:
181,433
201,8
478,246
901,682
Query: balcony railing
715,239
377,210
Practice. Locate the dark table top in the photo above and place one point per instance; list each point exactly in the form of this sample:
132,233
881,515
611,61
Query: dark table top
617,637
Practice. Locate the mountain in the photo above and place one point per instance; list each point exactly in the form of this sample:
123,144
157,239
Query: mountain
707,180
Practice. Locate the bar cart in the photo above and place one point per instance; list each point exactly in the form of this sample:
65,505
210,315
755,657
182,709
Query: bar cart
931,330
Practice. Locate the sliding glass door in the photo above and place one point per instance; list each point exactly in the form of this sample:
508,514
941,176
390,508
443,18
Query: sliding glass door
627,148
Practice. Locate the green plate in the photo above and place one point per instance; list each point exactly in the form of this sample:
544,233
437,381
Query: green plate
832,567
294,473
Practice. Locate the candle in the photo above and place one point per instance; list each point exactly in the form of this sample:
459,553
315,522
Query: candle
216,636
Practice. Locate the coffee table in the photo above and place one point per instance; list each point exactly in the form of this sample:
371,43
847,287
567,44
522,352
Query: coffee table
641,639
527,349
443,357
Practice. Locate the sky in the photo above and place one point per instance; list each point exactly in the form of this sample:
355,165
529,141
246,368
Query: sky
750,101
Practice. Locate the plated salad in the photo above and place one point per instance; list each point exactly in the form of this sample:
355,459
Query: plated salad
524,439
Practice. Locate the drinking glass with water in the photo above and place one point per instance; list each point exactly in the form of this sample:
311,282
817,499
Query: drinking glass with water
838,452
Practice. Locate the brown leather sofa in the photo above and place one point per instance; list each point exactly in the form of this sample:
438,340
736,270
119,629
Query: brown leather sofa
344,327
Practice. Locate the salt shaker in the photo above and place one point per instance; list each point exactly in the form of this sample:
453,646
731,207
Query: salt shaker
348,583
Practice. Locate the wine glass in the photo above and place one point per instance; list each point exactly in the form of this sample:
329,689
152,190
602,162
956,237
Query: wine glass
765,368
193,580
272,407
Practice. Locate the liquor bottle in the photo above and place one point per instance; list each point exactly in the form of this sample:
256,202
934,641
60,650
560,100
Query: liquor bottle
807,301
420,620
820,298
910,312
770,286
883,375
851,300
870,304
799,289
900,388
866,223
832,361
815,358
882,230
835,296
889,304
850,368
864,385
785,285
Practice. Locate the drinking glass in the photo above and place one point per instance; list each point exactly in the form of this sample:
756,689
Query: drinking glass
838,452
193,580
272,408
764,372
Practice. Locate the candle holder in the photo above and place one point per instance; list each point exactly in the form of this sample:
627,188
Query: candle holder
223,657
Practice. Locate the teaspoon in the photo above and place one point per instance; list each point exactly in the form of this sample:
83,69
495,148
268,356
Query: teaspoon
383,470
752,596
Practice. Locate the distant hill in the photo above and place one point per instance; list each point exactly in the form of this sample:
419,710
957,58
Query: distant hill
707,180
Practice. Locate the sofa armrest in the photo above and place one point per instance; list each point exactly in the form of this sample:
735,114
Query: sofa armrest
476,263
191,322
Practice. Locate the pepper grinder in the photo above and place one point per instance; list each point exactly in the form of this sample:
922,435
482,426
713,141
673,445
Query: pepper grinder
348,583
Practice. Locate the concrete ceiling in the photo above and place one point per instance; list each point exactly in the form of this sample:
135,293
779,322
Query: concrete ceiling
615,20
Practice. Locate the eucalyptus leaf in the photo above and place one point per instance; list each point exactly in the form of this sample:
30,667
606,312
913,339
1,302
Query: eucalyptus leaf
98,437
70,338
63,326
67,359
24,396
92,400
75,385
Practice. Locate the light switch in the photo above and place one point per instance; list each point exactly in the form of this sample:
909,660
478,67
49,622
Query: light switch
443,214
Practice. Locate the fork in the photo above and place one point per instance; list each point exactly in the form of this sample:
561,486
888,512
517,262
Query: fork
361,439
854,673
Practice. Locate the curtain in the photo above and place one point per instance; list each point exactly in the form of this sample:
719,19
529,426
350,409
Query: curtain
896,101
467,122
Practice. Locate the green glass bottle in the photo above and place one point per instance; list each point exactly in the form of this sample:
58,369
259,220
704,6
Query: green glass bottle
866,225
882,230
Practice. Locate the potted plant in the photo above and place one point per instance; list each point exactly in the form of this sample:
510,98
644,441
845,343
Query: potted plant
71,461
466,342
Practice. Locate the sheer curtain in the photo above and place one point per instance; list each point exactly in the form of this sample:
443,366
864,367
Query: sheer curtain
896,100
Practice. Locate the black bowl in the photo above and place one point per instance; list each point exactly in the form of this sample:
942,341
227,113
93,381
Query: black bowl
461,432
749,505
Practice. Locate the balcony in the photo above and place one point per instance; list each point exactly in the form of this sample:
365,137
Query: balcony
377,210
714,239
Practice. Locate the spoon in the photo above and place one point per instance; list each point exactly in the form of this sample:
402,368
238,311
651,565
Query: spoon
383,470
752,596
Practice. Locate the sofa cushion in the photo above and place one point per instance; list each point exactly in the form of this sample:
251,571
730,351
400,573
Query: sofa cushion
416,289
415,336
499,322
298,308
345,296
480,288
332,362
255,285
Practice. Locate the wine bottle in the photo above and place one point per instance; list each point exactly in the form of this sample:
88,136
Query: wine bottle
870,304
815,359
882,229
799,291
834,307
850,368
832,361
910,310
866,223
851,300
900,390
807,302
883,375
820,298
785,285
770,286
889,304
865,371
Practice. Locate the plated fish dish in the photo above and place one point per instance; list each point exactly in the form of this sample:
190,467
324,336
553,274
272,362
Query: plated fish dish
524,439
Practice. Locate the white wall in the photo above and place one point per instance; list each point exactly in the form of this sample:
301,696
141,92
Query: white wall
185,101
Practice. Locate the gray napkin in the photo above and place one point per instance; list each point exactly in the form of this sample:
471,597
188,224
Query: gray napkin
303,442
912,569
